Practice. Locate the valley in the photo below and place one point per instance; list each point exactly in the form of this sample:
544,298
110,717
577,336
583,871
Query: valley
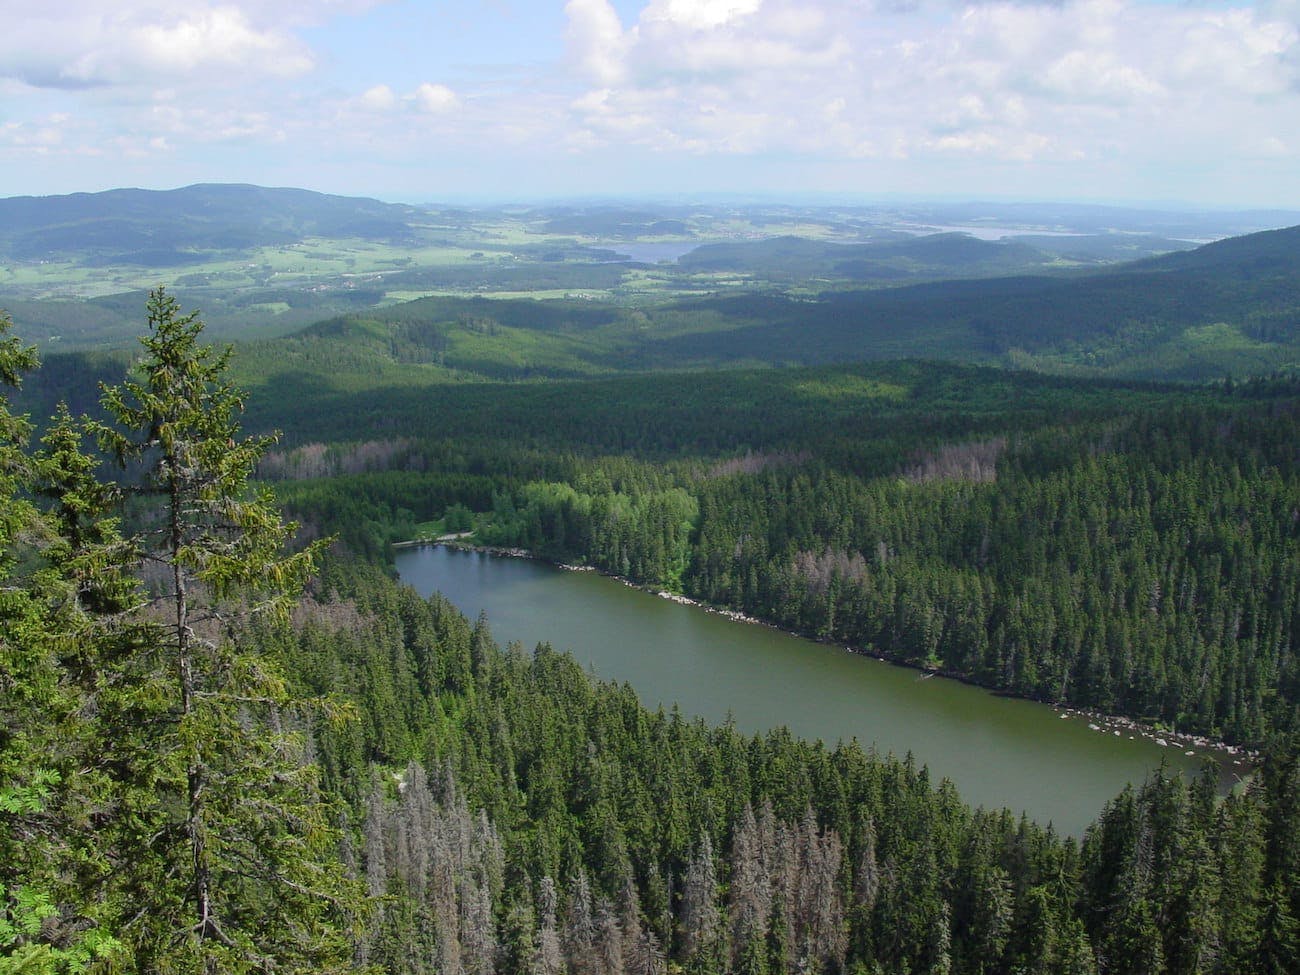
1067,480
637,287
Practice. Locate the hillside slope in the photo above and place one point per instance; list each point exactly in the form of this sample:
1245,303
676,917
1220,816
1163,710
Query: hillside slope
1231,307
176,226
1228,308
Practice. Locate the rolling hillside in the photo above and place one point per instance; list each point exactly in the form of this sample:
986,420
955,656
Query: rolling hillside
1229,308
184,226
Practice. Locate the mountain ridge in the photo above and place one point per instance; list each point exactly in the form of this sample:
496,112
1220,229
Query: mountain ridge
213,216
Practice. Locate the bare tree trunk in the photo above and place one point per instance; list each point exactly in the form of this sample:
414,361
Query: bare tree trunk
196,770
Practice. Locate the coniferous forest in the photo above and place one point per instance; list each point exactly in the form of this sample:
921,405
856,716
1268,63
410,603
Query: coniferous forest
1130,549
235,744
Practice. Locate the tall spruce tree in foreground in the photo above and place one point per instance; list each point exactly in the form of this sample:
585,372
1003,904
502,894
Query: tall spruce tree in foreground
54,565
228,855
26,677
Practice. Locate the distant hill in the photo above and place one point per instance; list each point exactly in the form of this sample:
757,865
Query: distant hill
781,285
1251,255
168,227
894,258
1229,308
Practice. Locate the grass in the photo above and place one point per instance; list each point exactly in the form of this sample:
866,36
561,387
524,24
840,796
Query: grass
428,531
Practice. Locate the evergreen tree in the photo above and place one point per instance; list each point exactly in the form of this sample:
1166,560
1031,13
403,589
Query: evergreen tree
47,922
229,853
701,920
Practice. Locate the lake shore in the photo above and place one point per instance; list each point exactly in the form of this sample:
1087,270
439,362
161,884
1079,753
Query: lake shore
1236,757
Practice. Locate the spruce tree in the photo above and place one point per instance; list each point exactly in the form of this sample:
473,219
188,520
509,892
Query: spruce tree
229,853
28,685
48,779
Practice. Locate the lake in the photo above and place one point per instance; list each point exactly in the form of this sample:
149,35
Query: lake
999,751
650,252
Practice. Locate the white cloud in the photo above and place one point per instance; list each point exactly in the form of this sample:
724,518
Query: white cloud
380,98
434,99
1082,76
170,125
595,40
1238,51
1020,81
734,39
219,36
1022,147
40,137
84,44
379,101
699,14
845,85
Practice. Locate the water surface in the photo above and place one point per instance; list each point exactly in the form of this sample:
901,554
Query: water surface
651,252
999,751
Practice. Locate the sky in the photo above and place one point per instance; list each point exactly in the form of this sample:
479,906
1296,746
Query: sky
507,100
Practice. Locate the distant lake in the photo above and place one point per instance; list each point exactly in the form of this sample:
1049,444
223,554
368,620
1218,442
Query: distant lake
998,751
651,252
985,233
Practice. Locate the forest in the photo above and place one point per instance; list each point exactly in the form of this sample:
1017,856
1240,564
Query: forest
1130,549
233,743
210,769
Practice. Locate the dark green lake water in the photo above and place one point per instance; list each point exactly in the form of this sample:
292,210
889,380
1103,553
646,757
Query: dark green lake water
998,751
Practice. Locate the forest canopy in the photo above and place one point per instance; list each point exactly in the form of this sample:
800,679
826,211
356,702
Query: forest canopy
205,768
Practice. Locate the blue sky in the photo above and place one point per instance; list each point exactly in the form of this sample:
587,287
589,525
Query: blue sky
1108,100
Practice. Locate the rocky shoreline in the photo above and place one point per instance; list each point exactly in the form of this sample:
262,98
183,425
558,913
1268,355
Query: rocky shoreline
1190,744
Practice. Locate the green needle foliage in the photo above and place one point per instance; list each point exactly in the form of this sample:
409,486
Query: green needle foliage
46,794
498,811
159,810
237,809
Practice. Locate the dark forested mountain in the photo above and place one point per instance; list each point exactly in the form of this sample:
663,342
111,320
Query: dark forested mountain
1265,252
1228,307
1064,539
1073,540
158,228
1130,549
212,760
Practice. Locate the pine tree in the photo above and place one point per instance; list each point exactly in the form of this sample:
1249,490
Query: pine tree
229,855
701,920
549,959
580,928
750,893
49,783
